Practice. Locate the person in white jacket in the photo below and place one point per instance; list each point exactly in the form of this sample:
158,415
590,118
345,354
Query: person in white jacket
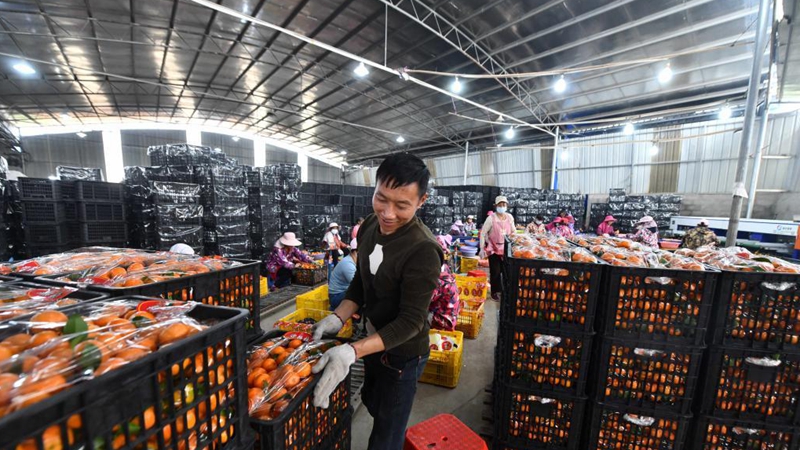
493,233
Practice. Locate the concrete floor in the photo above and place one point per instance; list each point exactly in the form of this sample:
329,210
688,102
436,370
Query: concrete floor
466,401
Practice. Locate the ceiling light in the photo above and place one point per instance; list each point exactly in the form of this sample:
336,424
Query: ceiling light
80,134
456,86
235,138
654,149
52,177
510,133
65,116
665,75
24,68
361,70
342,152
628,129
564,156
400,139
561,85
725,113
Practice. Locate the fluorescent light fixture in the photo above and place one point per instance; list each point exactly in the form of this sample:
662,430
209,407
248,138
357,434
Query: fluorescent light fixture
24,68
654,149
361,70
628,129
342,152
560,85
400,139
665,76
65,116
564,155
510,133
725,112
456,86
235,138
52,177
81,134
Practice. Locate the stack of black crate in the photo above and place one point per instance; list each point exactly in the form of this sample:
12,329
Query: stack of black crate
647,362
751,375
628,209
48,215
289,184
101,215
226,219
264,210
544,346
13,227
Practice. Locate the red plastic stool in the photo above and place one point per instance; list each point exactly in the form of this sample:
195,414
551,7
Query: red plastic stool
443,432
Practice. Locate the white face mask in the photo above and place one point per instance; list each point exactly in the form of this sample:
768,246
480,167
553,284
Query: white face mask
501,210
335,231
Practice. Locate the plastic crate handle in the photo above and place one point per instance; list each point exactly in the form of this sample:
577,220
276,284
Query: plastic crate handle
740,431
642,421
647,352
660,280
780,287
763,362
546,341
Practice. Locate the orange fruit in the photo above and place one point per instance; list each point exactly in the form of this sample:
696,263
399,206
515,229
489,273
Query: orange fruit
52,365
251,377
20,341
132,353
282,358
91,349
5,352
303,370
277,351
121,326
292,381
109,365
7,381
131,282
269,364
294,343
42,338
117,272
134,267
172,333
261,381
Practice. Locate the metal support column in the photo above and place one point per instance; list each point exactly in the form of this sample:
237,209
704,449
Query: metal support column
739,191
556,141
466,162
762,136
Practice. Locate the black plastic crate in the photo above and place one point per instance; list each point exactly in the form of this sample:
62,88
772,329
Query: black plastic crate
654,377
752,385
550,294
631,428
47,212
658,305
39,234
42,189
532,419
306,199
302,426
101,212
99,191
235,287
102,232
757,311
713,433
309,277
107,407
543,359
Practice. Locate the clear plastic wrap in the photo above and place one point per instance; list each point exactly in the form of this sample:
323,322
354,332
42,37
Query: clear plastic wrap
177,193
67,173
18,300
738,259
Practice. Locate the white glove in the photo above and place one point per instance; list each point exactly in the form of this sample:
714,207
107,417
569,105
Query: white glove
329,325
336,362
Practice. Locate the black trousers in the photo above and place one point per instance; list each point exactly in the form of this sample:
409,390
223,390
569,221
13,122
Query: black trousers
495,271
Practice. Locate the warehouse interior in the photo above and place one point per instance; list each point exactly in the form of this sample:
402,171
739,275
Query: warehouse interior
224,125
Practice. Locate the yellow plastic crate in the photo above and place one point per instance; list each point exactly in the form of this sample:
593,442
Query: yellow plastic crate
472,288
470,319
469,263
444,367
263,286
315,299
291,322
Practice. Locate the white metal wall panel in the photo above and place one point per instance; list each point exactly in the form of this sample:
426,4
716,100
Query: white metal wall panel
320,172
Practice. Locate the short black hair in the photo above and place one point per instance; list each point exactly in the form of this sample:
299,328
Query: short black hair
540,217
402,169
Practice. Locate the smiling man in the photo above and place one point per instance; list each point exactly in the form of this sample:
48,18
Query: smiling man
397,272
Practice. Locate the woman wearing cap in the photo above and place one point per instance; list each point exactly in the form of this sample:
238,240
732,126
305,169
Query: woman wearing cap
646,232
282,259
606,228
334,243
470,226
342,275
537,226
562,228
457,229
495,229
699,236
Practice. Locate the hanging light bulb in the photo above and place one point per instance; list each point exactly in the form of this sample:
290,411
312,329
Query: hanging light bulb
400,139
235,138
560,85
654,149
342,152
628,129
665,75
725,113
361,70
456,86
510,133
81,134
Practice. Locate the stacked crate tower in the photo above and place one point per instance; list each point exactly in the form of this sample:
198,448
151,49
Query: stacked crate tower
226,219
100,210
48,215
751,376
646,364
544,346
264,210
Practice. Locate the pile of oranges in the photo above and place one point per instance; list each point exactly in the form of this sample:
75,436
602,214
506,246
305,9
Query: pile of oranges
640,375
624,431
541,420
557,299
52,351
549,362
16,301
549,248
738,392
278,370
722,436
737,259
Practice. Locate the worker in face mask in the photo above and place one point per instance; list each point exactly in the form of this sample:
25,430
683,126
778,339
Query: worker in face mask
333,243
495,229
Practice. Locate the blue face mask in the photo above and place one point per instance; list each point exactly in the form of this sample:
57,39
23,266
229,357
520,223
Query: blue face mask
501,209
